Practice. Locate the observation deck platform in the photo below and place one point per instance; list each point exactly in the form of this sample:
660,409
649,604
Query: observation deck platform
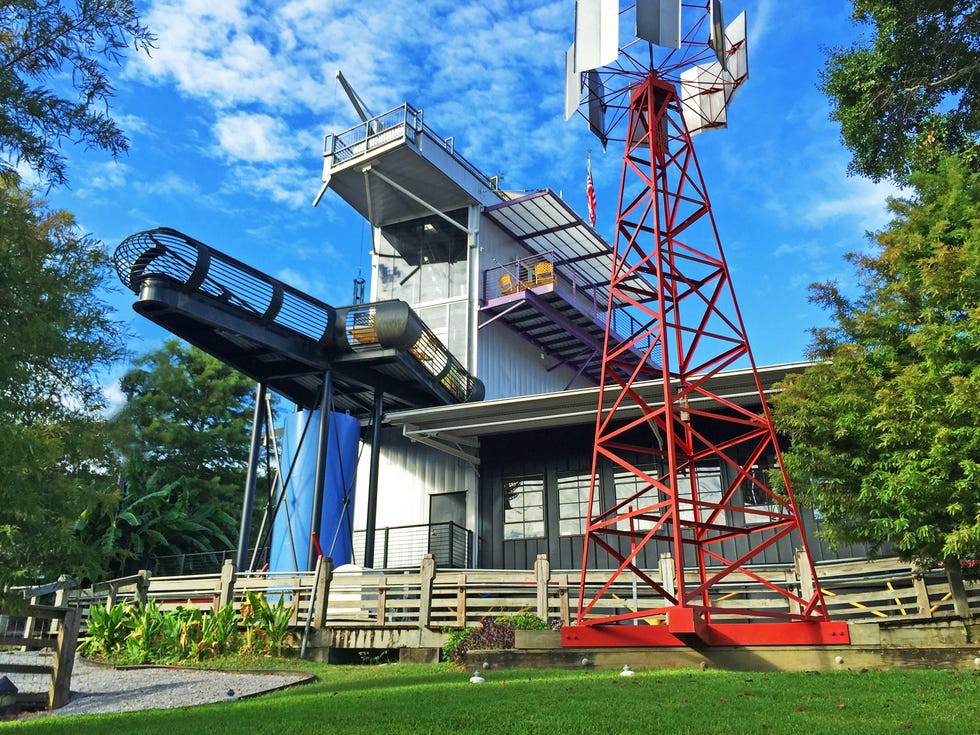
394,168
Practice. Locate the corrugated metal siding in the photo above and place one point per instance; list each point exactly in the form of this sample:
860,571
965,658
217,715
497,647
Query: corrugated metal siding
511,366
551,452
409,473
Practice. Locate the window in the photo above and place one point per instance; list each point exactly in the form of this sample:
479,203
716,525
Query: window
628,485
757,501
573,503
709,491
752,493
523,507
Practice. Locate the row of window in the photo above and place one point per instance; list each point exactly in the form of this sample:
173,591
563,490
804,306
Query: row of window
524,507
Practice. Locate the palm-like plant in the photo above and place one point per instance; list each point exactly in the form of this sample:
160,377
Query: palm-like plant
106,631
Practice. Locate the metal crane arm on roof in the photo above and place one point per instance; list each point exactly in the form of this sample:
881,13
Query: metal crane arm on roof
359,107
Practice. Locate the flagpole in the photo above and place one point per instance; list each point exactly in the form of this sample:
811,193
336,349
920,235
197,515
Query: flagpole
589,188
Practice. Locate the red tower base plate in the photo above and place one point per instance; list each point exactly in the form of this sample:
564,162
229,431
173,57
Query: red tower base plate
719,634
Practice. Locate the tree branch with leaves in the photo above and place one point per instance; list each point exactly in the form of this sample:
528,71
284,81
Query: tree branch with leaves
885,428
908,94
48,46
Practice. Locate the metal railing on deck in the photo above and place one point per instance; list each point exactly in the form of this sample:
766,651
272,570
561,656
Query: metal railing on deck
543,269
402,123
404,546
395,547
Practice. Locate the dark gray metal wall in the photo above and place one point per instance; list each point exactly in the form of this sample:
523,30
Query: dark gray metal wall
550,452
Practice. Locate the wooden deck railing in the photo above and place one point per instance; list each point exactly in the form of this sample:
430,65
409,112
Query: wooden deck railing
854,590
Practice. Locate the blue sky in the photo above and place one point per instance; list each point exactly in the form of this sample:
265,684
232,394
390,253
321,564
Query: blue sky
227,117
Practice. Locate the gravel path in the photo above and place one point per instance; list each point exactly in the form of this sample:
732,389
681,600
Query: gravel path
99,689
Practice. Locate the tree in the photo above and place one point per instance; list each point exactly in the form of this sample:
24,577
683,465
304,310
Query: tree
66,45
184,436
885,430
143,518
56,334
910,94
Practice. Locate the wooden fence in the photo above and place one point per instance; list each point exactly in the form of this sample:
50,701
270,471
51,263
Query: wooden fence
60,635
854,590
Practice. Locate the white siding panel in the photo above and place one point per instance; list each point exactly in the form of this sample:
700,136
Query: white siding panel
511,366
409,473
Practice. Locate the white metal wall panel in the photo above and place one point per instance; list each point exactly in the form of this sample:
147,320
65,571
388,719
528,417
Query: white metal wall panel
511,366
409,473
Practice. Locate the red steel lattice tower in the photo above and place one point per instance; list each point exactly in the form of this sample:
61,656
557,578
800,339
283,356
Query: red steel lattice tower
692,456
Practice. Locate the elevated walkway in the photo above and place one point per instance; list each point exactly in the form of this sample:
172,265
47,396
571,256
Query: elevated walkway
284,338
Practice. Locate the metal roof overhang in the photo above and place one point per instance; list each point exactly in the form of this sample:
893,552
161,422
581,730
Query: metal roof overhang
457,429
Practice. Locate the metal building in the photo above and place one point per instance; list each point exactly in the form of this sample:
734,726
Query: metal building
516,285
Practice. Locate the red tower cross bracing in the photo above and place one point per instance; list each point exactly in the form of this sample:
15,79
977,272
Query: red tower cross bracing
686,462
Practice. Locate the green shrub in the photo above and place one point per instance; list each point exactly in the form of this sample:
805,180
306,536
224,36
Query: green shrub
106,631
271,622
491,633
142,634
526,621
146,627
455,646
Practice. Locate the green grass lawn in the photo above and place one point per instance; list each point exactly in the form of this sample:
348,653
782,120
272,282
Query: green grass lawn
439,699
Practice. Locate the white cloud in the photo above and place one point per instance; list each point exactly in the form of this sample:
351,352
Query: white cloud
287,185
114,397
252,137
760,22
170,184
302,281
248,60
110,175
857,199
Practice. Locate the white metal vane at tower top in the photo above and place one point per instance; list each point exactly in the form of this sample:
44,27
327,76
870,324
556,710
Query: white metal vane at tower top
708,59
691,470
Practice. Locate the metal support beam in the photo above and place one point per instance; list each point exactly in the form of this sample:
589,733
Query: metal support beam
248,503
372,498
322,445
417,199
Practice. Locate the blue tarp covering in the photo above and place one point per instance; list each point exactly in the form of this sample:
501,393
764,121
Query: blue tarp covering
291,529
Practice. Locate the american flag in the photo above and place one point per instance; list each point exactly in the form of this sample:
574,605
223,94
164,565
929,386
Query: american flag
590,194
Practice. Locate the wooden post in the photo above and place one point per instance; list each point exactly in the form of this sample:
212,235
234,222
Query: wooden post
226,587
804,573
60,595
667,573
922,603
542,575
110,598
954,575
322,592
64,659
382,600
563,607
427,571
793,587
461,600
142,585
29,625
